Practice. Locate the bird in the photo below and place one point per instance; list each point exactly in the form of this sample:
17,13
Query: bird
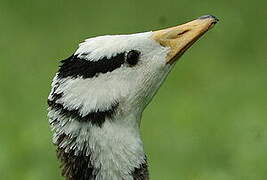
99,93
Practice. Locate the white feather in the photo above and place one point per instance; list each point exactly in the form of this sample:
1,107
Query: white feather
115,148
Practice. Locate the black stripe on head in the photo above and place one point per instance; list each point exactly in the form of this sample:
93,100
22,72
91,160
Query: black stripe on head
95,118
75,66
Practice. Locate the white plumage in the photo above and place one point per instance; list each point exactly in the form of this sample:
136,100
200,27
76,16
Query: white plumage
114,148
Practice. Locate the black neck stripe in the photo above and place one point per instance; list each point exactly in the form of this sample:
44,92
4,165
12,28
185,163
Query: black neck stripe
75,66
141,173
96,118
75,167
79,166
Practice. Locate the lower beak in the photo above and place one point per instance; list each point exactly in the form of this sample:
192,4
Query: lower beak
180,38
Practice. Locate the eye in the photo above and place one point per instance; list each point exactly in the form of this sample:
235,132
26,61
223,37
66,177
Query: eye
132,57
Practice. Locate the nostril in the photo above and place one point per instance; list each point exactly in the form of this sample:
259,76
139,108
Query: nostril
183,32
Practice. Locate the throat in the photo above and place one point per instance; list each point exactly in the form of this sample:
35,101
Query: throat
111,152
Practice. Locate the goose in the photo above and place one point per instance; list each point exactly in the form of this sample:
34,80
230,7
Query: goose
99,93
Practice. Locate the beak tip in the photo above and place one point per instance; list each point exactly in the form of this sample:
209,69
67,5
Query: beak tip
209,17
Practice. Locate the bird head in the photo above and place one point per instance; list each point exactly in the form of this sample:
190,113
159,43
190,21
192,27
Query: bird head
122,72
100,92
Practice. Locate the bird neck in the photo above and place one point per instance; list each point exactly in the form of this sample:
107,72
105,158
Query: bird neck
113,151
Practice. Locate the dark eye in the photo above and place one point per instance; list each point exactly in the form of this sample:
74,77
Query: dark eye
132,57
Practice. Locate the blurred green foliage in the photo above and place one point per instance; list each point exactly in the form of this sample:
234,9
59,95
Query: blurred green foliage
207,122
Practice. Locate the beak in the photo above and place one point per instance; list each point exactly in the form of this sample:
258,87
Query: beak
180,38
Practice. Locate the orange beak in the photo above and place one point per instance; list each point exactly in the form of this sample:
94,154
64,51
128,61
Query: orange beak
180,38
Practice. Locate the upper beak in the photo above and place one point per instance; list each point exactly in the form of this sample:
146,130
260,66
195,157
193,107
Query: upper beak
180,38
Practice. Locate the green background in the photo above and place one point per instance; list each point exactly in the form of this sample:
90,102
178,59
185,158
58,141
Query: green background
208,120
